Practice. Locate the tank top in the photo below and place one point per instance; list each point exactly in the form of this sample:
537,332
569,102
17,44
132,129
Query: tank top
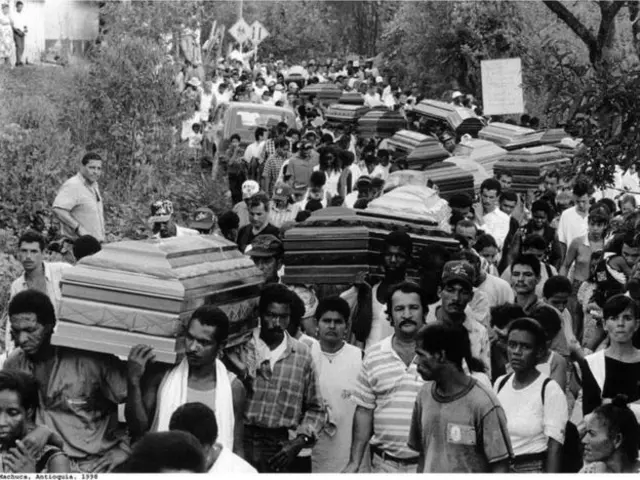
208,397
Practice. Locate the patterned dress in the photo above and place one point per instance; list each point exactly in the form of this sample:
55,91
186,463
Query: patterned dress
6,37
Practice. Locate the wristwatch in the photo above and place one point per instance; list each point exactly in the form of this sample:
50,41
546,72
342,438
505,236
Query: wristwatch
308,441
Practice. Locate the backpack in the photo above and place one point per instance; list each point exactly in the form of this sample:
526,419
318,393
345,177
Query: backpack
572,447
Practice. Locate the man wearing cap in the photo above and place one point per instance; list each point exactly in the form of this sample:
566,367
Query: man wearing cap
282,208
259,223
249,189
267,252
204,221
456,98
362,190
162,223
455,292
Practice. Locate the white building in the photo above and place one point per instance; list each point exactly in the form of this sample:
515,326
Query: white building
72,22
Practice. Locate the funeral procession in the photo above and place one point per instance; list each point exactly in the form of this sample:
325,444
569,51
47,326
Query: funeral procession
269,236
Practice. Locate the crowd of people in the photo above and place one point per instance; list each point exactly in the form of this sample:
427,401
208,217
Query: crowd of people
516,353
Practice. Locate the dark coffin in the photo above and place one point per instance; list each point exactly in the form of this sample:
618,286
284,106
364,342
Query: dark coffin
324,92
529,164
450,179
405,141
380,122
144,291
460,119
336,244
427,153
510,137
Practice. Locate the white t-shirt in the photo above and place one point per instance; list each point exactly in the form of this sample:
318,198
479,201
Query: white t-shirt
229,463
337,382
531,423
277,352
571,226
254,150
380,325
497,290
496,224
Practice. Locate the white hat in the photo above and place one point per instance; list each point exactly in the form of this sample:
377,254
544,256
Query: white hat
250,188
456,94
194,82
379,79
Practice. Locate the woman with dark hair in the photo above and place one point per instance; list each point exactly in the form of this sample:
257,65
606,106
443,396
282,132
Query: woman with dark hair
18,404
331,166
612,439
535,405
458,425
614,370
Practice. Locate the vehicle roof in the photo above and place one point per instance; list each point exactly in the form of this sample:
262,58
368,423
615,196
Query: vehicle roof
258,107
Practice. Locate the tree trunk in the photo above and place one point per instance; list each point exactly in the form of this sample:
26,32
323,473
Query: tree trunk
634,16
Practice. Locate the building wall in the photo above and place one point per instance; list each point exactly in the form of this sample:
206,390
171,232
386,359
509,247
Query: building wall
75,21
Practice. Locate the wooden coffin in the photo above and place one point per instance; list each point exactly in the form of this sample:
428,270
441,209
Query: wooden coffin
529,164
336,244
426,154
450,179
460,119
380,122
484,152
553,136
144,291
324,92
510,137
351,98
405,141
339,113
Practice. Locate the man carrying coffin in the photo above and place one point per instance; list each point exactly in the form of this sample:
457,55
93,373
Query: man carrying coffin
155,392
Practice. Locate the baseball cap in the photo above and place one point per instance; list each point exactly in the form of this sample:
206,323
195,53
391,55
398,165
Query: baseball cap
458,271
363,181
379,79
456,94
203,219
266,246
293,86
161,211
250,188
282,192
279,88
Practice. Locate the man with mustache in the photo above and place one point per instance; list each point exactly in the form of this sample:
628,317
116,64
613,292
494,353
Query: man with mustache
286,392
455,292
387,387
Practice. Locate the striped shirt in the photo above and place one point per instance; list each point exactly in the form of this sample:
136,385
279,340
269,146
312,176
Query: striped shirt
271,171
388,387
279,217
289,395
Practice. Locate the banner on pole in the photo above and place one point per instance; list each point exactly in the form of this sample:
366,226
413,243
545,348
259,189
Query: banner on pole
502,92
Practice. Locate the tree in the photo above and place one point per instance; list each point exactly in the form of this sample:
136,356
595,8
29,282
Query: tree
598,42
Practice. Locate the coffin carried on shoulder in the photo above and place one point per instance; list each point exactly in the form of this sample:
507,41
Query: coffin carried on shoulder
404,142
351,98
136,292
483,152
380,122
450,179
336,245
339,113
427,153
460,119
325,92
510,137
528,165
